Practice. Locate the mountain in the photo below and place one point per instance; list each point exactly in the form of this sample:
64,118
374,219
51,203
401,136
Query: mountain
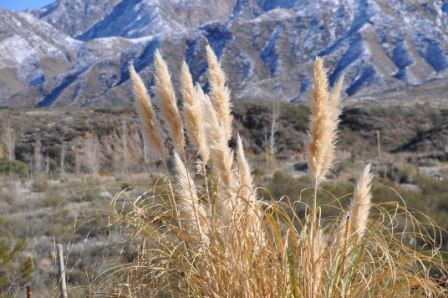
132,18
74,17
76,52
31,51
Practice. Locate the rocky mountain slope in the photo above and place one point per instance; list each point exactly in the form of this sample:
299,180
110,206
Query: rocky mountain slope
77,52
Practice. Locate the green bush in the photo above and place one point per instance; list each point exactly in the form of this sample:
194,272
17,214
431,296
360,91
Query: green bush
15,270
8,167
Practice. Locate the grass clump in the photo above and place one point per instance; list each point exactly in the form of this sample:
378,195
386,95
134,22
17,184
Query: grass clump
14,167
204,231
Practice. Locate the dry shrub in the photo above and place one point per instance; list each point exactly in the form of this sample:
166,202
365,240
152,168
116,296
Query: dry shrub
204,232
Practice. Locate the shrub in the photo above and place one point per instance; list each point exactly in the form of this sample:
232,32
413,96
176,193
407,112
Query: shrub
40,185
14,167
53,198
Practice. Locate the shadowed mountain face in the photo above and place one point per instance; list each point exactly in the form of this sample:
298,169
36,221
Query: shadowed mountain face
77,52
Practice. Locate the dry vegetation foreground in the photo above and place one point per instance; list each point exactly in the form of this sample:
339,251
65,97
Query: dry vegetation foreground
61,191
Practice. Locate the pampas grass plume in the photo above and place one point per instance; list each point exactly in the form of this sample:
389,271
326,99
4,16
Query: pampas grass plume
221,154
192,214
335,101
246,180
194,114
146,113
360,206
322,126
168,103
219,92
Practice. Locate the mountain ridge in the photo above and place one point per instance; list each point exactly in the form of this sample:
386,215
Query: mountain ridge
267,47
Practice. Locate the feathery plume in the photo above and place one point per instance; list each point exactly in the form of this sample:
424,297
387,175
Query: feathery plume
360,206
168,103
245,177
220,152
335,100
193,113
146,113
322,127
192,214
219,92
335,112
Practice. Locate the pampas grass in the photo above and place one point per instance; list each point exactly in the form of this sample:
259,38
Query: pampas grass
325,111
243,247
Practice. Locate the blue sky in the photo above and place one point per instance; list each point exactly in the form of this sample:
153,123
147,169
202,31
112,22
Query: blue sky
18,5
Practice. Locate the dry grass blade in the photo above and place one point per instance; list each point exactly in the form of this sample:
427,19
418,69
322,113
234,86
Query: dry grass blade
168,103
147,116
318,253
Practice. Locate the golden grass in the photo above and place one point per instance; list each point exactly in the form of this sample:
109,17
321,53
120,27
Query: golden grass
211,236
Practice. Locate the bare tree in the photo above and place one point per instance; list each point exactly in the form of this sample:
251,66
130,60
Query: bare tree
91,151
38,158
269,132
47,165
378,141
62,159
9,138
77,159
124,139
275,113
146,156
265,144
